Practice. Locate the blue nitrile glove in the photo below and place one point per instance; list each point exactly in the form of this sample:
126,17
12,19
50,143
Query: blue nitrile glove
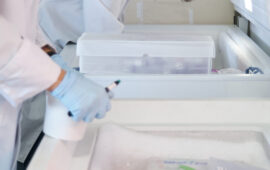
254,70
85,99
59,60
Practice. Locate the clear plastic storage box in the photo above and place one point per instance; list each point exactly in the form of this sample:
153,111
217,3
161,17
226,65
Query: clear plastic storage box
145,54
233,50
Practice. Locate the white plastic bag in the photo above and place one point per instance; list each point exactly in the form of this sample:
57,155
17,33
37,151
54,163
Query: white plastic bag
189,164
216,164
176,165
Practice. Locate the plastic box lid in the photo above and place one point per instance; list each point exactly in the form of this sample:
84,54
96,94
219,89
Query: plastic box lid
153,45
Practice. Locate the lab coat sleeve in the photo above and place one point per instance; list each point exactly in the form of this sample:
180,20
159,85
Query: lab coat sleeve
25,69
42,39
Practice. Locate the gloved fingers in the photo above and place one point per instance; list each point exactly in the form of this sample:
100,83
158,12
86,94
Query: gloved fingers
77,115
102,112
100,115
76,118
110,94
91,113
89,118
97,113
106,105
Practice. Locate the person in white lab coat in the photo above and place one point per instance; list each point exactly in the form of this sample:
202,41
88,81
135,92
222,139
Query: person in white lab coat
26,70
65,20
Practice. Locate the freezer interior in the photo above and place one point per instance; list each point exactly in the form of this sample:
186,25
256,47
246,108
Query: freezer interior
165,115
235,54
232,49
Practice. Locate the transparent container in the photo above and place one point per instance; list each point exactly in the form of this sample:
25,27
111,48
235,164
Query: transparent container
145,54
145,65
239,51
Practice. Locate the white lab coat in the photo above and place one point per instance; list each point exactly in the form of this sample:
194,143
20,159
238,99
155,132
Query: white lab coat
66,20
25,70
61,20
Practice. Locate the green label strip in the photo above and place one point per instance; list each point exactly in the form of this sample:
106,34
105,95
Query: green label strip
186,168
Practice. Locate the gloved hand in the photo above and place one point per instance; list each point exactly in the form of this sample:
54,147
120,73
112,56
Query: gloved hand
85,99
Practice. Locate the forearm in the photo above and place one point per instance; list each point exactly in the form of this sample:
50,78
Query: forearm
25,70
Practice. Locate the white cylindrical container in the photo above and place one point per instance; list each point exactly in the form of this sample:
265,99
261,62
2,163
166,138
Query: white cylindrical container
59,125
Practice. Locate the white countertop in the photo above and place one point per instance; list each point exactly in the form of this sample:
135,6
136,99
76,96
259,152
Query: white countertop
56,154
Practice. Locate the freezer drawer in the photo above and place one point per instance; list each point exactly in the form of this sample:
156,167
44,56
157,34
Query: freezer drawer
233,50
